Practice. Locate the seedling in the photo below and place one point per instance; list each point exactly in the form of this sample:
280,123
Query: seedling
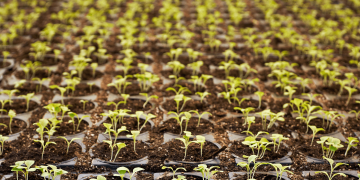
289,91
195,66
259,94
205,171
5,54
94,66
181,90
178,99
11,114
315,130
177,79
202,95
350,91
28,97
352,143
227,66
146,80
57,53
84,103
134,135
123,170
68,142
148,117
10,93
333,143
99,177
251,172
62,91
148,98
249,120
186,141
200,115
274,137
41,81
18,167
90,85
332,168
245,112
174,171
176,66
50,174
110,142
356,113
41,130
2,141
280,170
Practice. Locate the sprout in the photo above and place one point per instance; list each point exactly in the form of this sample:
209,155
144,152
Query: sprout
177,79
205,171
90,84
41,130
110,142
133,135
315,130
5,54
2,141
239,101
260,94
11,114
179,98
119,83
28,97
84,103
245,112
275,117
332,168
280,170
202,95
94,66
181,90
195,66
18,167
186,141
80,64
174,171
123,170
251,160
274,137
289,91
51,174
62,91
247,68
176,66
356,113
57,53
350,91
41,81
146,80
199,115
352,143
10,93
227,66
249,120
68,142
148,98
333,143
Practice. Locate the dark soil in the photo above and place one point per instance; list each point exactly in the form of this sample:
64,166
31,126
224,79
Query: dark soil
19,105
130,123
173,126
334,90
4,65
126,154
41,73
221,103
108,178
277,90
190,86
322,176
340,104
16,126
187,178
32,176
240,149
76,106
88,75
186,73
295,125
175,153
353,124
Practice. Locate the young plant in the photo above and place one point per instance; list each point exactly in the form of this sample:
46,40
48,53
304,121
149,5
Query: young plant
99,177
10,93
120,83
2,141
62,91
24,169
68,142
352,143
41,82
259,94
202,95
94,66
90,84
356,113
274,137
249,120
148,98
178,99
147,118
176,66
245,112
333,143
28,98
199,115
110,142
280,169
5,54
123,170
289,91
332,168
350,91
315,130
41,130
205,171
84,103
11,114
186,141
174,171
251,171
133,135
146,80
